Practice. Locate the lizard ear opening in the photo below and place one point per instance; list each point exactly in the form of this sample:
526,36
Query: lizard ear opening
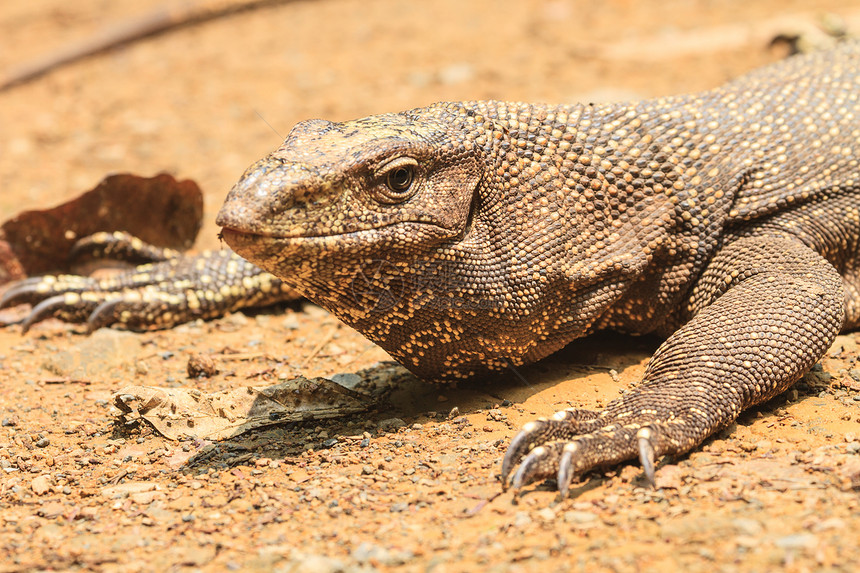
474,207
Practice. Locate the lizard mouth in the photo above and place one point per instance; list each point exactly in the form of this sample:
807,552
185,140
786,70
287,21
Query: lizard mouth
232,235
253,244
235,236
312,257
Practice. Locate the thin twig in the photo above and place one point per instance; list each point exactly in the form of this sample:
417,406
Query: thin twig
66,381
157,21
325,340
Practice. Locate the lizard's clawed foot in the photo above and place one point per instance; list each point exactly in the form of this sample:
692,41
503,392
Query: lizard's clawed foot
574,442
99,303
158,295
52,296
77,299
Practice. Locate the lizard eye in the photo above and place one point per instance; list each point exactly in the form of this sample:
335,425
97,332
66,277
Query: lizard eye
399,178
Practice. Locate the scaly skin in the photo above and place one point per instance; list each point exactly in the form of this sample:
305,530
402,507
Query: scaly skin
468,237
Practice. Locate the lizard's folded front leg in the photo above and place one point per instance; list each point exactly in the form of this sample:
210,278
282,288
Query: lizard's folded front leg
765,310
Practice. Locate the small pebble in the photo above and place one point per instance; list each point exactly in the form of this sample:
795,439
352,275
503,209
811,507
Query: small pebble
201,366
41,484
797,541
579,517
391,424
522,518
312,564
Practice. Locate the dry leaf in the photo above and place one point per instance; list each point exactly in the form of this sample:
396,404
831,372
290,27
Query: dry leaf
160,210
181,413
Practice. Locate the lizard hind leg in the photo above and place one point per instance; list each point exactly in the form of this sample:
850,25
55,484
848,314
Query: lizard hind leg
161,294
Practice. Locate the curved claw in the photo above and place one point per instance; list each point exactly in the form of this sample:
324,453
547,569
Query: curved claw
565,468
523,473
518,447
21,292
647,455
103,315
43,310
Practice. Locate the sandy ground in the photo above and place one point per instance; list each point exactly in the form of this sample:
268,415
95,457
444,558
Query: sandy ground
407,486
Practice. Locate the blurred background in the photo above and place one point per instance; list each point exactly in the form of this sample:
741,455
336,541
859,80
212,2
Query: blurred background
205,99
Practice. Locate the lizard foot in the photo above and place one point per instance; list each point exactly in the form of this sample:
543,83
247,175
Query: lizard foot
52,296
77,299
151,296
574,442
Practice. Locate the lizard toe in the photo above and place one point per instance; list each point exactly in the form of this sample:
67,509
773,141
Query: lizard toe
563,424
539,464
570,457
120,246
33,290
69,307
147,309
140,311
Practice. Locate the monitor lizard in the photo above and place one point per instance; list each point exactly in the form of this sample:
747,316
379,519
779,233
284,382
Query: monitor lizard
469,237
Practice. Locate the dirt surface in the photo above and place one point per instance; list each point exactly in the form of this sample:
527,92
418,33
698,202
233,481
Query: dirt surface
410,485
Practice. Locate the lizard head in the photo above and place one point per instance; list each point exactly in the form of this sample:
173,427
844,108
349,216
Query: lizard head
333,179
361,217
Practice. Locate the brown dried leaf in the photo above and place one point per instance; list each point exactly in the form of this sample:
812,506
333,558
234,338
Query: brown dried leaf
160,210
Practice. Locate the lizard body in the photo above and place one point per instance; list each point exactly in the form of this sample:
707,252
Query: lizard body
470,236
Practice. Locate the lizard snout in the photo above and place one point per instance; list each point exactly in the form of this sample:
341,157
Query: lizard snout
273,190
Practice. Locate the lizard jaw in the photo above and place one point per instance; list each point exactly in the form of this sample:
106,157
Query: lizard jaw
238,240
262,248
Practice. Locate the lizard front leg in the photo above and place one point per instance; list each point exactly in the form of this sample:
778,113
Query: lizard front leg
173,289
764,311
